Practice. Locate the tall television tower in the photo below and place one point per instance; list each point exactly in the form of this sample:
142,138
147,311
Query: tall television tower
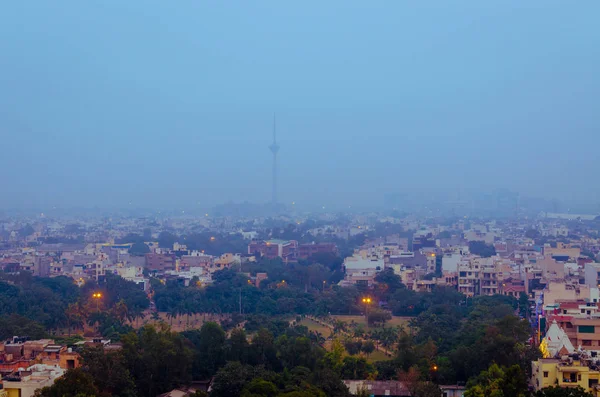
274,149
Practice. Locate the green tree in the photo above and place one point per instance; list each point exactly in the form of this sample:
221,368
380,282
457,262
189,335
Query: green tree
157,359
260,388
426,389
378,317
166,239
26,230
74,382
304,393
444,234
210,353
230,380
523,304
557,391
238,346
368,347
330,383
482,249
109,372
139,249
18,325
390,279
498,382
297,351
352,346
262,350
356,368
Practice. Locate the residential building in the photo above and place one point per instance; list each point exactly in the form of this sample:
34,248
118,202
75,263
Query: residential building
490,279
160,262
512,287
305,251
362,261
557,291
362,277
378,387
19,352
195,259
551,269
572,371
286,250
469,278
450,261
415,259
562,252
482,276
225,261
582,331
24,383
592,274
396,388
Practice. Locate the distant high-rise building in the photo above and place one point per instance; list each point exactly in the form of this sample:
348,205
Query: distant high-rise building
274,149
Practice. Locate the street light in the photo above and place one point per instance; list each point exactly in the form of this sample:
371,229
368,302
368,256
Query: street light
97,296
367,301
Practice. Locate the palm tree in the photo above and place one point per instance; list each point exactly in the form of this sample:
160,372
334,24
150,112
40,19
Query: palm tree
139,315
74,315
170,315
338,326
121,311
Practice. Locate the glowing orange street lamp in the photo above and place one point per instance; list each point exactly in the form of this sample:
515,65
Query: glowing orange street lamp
97,296
367,301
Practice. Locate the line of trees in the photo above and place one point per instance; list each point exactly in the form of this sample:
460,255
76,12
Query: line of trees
35,306
155,360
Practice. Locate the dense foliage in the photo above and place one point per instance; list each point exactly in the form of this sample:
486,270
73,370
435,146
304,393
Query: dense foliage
39,304
155,360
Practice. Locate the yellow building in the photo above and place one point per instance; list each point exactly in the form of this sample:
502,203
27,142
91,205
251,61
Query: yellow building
225,261
25,383
564,250
570,372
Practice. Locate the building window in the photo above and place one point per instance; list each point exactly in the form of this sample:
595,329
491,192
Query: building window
545,374
587,342
586,329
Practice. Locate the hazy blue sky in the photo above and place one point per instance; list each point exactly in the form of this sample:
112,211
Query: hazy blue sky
171,102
